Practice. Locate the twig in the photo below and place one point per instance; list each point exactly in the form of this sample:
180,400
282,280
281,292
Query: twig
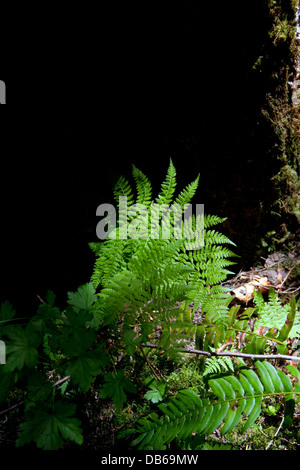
150,365
234,354
275,434
281,284
11,408
21,402
61,381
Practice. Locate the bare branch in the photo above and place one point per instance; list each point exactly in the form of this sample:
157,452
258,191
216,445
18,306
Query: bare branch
232,354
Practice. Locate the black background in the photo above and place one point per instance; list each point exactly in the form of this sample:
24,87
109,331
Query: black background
91,91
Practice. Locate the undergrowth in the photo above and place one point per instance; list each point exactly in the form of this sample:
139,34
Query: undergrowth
135,358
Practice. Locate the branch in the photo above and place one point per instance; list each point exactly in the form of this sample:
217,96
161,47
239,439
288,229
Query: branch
59,382
234,354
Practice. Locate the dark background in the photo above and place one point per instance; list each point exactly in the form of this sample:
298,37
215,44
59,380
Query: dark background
90,92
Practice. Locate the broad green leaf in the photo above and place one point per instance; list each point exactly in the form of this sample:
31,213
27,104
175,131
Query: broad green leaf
219,415
84,367
255,412
75,336
131,341
168,186
83,298
157,391
253,380
265,377
294,371
50,298
289,323
217,389
6,312
48,427
22,347
115,386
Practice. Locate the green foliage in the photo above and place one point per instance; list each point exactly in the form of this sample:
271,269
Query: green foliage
273,314
215,365
146,290
51,340
238,397
134,272
115,386
49,426
83,298
157,390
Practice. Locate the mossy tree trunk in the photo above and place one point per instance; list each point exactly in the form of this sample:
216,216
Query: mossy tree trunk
280,122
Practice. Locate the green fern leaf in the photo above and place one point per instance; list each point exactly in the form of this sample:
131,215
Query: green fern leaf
186,195
237,397
215,365
122,188
143,186
168,187
273,314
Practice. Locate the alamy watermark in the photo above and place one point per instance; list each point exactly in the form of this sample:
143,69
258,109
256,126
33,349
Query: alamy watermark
2,92
137,221
2,352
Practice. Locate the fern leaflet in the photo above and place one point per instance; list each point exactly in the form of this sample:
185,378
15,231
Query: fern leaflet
237,397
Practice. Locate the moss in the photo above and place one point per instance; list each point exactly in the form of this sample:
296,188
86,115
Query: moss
280,198
188,376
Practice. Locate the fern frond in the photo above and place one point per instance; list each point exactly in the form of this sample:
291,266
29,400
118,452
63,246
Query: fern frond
217,365
238,398
211,236
168,187
273,314
110,260
123,188
186,195
210,220
162,270
143,187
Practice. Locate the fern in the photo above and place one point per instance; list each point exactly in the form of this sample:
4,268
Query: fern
141,286
273,314
168,186
133,272
215,365
237,398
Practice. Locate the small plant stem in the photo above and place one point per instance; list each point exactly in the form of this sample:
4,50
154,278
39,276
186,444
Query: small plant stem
276,433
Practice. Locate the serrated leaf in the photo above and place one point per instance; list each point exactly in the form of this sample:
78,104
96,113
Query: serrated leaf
75,336
50,298
38,389
153,395
85,367
6,312
48,427
83,298
157,391
22,347
130,340
114,387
